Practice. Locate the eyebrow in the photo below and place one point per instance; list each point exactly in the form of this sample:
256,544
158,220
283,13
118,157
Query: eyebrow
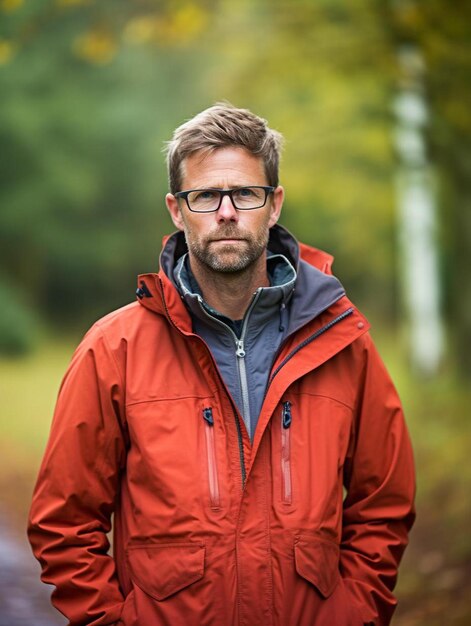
238,186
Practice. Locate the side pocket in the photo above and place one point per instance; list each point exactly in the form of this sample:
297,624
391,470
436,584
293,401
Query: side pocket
213,479
161,570
286,480
317,561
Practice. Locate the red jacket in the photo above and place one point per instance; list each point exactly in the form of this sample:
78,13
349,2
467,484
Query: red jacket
210,529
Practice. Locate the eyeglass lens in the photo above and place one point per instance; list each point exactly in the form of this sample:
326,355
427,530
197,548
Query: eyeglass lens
243,198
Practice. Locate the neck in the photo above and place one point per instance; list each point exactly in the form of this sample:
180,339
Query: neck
230,293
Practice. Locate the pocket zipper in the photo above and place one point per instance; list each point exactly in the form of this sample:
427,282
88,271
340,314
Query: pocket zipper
213,479
286,482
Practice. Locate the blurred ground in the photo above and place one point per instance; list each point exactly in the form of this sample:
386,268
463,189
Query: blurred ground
24,600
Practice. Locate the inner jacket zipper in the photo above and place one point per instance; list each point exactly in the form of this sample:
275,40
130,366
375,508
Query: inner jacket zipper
242,371
213,478
240,353
286,481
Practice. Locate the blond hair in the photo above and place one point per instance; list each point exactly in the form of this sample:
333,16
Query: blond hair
221,126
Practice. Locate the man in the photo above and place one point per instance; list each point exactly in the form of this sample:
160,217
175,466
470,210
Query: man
220,418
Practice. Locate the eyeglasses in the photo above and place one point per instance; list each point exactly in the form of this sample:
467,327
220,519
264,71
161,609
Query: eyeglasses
209,200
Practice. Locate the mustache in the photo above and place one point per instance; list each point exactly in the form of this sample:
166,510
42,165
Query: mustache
227,232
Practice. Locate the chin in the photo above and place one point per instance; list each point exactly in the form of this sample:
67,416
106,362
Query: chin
229,267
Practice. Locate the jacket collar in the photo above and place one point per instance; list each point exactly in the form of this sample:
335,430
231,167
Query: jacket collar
282,279
315,287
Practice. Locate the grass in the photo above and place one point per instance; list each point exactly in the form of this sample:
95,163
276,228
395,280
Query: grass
28,388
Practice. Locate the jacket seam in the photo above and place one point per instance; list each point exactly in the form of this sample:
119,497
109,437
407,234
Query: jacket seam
121,419
366,347
113,357
322,395
367,344
109,441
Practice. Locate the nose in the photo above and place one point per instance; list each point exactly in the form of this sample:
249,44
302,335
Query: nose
227,212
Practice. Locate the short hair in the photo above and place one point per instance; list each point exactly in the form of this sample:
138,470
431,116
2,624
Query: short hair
221,126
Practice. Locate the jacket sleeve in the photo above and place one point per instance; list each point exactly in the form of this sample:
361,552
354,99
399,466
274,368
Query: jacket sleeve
77,488
379,479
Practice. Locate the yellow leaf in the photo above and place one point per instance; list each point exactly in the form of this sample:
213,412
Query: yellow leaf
175,27
189,21
180,27
72,3
8,6
140,29
6,51
96,47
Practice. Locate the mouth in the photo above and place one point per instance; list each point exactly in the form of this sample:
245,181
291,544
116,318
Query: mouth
228,240
228,237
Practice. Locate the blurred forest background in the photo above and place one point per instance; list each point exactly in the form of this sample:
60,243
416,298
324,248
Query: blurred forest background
373,98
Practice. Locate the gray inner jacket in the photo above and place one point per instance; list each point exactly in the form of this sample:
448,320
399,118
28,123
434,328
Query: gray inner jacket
245,350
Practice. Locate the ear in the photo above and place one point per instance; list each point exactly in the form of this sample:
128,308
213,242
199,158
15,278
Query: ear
174,210
276,204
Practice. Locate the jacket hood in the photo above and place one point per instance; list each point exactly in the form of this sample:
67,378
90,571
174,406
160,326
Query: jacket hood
316,289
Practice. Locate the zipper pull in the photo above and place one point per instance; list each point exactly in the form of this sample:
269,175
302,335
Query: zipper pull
286,416
240,352
208,416
281,326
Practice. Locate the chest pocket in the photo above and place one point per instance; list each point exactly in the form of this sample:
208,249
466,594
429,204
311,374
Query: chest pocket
177,460
310,439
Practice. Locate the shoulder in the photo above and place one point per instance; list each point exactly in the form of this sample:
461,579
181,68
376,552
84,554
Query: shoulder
121,317
123,327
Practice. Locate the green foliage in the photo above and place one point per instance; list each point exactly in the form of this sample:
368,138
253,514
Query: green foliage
91,89
18,326
92,94
80,212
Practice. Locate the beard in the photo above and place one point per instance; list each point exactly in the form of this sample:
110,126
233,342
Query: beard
228,258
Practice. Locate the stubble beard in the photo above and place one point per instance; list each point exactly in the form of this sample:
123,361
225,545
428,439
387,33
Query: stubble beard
229,259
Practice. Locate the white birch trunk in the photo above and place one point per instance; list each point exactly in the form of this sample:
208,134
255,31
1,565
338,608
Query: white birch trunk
417,218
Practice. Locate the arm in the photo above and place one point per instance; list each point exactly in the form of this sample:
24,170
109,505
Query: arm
378,510
77,487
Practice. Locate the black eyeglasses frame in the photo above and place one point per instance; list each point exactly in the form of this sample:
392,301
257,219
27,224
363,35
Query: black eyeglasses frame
226,192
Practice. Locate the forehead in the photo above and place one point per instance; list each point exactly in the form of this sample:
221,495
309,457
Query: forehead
224,167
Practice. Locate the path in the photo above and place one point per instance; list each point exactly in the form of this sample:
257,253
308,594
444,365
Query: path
24,600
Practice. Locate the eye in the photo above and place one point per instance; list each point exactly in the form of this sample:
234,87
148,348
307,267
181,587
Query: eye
204,194
246,192
249,196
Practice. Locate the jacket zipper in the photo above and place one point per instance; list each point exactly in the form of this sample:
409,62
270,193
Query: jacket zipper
307,341
286,481
213,479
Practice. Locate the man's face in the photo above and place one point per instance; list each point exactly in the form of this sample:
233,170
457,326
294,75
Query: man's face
226,240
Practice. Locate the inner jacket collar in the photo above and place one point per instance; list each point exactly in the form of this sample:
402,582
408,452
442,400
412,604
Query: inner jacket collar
281,274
